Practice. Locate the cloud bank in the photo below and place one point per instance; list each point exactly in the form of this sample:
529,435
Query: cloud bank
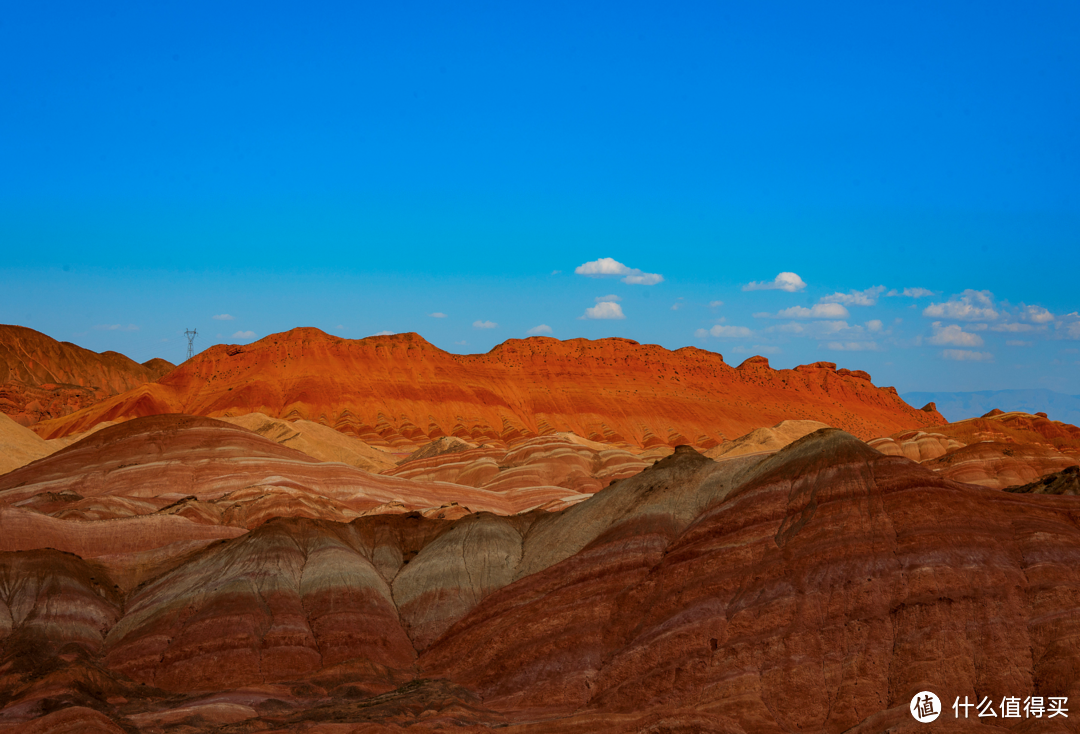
604,310
789,282
607,267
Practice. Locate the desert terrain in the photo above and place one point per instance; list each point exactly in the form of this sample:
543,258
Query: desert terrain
337,536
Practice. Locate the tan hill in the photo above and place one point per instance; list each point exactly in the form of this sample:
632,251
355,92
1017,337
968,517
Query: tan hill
320,442
41,378
19,445
403,392
765,440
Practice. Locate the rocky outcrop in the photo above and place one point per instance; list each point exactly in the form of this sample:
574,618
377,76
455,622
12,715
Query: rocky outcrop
41,378
400,391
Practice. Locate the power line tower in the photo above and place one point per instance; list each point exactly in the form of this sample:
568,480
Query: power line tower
190,334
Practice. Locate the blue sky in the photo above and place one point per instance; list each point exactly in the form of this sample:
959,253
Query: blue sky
359,167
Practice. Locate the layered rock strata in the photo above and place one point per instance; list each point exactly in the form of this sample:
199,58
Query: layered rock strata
41,378
402,392
814,589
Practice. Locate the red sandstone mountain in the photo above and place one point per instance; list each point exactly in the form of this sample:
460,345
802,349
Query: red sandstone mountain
402,391
815,589
41,378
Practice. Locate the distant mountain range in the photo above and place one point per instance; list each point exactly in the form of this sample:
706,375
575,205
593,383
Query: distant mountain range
957,406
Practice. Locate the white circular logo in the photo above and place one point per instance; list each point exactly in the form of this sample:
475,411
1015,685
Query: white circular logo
925,707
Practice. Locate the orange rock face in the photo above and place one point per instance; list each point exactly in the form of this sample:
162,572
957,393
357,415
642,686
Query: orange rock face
41,378
401,391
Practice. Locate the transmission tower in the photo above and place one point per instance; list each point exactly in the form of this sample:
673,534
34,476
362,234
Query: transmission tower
190,334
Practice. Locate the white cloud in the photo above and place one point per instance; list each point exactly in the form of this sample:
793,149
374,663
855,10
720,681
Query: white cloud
384,332
971,305
789,282
953,335
223,317
116,327
437,315
606,266
541,329
966,355
853,346
757,349
553,272
461,344
244,335
911,292
484,324
817,311
1072,331
867,297
873,325
828,331
1038,314
604,310
643,279
1013,328
607,298
1018,343
727,332
716,304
